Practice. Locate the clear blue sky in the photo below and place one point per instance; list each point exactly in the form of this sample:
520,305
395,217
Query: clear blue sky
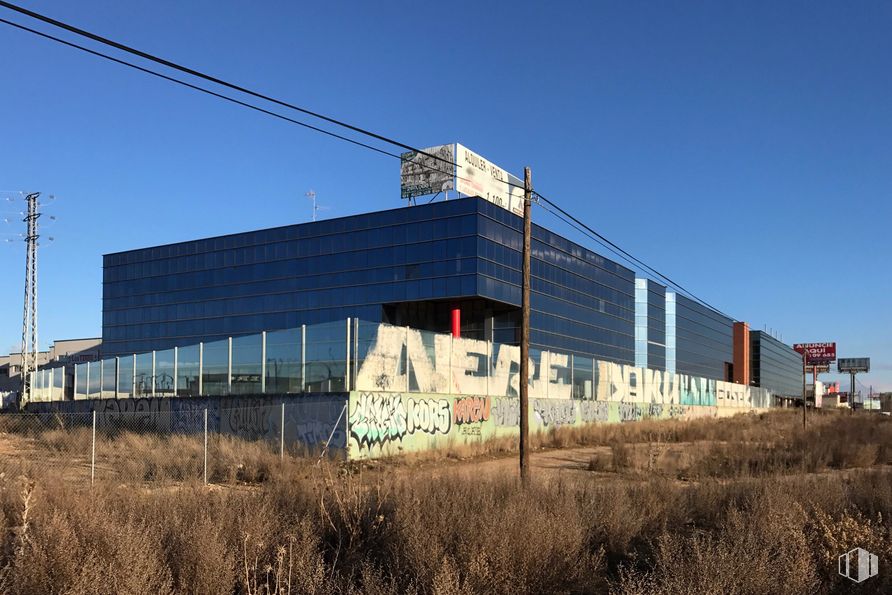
744,148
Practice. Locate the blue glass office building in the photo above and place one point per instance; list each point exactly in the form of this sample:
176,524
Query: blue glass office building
407,266
650,324
775,365
699,341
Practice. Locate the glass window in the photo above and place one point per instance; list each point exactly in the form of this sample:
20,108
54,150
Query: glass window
125,376
164,373
215,368
58,391
583,387
80,382
94,379
326,356
109,378
143,385
283,361
246,365
187,371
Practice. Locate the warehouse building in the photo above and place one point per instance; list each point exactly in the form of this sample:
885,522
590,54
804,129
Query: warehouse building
445,266
775,366
449,266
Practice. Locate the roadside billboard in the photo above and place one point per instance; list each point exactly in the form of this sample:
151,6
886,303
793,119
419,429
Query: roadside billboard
817,353
853,364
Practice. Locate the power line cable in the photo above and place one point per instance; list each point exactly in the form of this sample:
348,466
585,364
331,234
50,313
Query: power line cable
162,61
212,79
627,256
195,87
219,95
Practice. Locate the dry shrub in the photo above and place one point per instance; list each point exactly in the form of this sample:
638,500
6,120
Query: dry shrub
88,548
491,536
295,527
835,534
760,550
622,456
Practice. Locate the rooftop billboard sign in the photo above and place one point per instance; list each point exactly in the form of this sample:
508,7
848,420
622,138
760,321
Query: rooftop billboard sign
455,167
427,172
853,364
817,353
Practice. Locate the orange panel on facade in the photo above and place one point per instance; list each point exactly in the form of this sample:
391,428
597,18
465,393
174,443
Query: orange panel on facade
741,353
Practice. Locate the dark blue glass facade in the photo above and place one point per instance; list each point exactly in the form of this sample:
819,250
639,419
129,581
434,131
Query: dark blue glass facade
775,365
701,341
400,266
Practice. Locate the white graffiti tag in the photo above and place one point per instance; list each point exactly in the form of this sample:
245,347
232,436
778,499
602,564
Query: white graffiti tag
377,419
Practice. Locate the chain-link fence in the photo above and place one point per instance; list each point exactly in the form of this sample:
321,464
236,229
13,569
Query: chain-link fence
209,445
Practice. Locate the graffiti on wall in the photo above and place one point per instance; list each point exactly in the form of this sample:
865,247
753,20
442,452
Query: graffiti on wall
506,412
469,413
408,360
308,419
555,412
629,412
379,418
594,411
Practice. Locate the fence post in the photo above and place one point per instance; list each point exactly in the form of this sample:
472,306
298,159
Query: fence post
303,358
93,453
594,378
408,381
205,446
545,370
572,379
488,364
133,377
229,368
263,362
451,349
153,372
355,351
347,364
176,369
200,368
282,433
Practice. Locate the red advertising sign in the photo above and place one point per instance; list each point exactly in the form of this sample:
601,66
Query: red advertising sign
817,353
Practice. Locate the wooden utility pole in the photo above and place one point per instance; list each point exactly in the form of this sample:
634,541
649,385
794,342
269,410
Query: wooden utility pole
804,396
525,331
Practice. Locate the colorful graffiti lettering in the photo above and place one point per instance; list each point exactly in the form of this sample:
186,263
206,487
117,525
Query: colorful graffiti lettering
471,410
377,419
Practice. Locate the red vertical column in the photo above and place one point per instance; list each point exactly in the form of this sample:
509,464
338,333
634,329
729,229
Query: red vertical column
456,321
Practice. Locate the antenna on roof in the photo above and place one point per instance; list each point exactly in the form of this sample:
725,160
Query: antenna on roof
311,194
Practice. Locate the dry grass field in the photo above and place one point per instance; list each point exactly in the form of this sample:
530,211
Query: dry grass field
750,504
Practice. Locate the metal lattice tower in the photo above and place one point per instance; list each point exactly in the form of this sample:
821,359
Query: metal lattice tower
29,316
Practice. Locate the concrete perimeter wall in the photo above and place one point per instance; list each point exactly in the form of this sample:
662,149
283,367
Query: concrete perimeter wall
309,418
384,424
379,423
